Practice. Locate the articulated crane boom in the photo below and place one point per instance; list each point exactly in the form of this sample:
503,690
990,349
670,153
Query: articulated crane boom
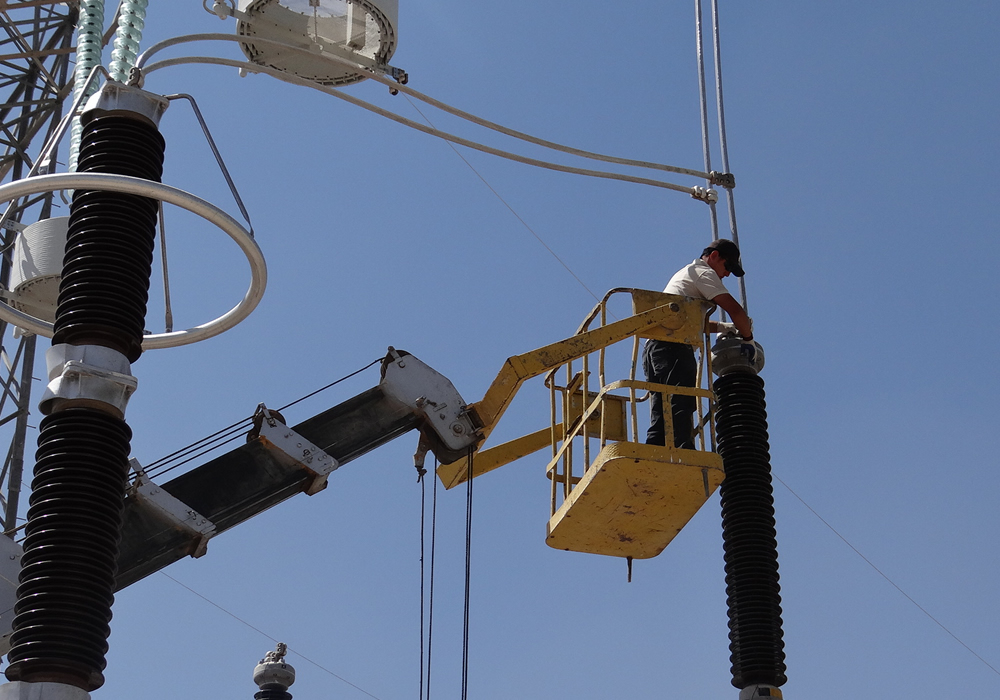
633,498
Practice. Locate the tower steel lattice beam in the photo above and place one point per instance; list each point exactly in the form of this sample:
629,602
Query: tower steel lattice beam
36,47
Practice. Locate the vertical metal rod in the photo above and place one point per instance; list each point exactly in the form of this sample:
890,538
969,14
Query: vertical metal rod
631,391
554,437
706,350
667,397
722,137
567,437
584,401
168,314
703,92
602,377
699,399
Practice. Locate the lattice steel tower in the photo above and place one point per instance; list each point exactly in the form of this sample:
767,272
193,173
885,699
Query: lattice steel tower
36,48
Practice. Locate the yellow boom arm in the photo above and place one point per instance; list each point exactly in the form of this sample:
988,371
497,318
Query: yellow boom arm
666,317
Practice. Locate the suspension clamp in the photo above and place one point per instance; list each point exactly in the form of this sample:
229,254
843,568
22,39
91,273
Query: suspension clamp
278,436
705,194
87,375
726,180
179,514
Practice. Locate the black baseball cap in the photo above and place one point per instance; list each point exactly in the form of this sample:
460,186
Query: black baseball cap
730,253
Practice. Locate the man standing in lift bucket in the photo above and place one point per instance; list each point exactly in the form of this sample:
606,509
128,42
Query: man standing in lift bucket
674,363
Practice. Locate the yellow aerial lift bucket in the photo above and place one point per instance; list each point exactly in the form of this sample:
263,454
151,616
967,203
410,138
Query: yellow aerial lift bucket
631,499
634,499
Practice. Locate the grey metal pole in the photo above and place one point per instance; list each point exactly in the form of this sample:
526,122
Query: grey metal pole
20,434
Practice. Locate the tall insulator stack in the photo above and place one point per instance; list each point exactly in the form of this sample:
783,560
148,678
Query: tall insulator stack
63,611
274,676
751,550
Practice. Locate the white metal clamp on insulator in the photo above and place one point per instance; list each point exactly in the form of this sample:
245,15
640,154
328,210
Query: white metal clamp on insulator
313,459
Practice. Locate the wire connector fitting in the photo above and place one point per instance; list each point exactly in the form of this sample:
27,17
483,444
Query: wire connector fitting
129,100
705,194
273,671
726,180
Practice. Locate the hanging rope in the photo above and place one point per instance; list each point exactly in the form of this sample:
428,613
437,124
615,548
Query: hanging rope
430,602
418,462
468,580
423,510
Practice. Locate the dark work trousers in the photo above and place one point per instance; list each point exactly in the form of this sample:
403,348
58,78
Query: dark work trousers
673,364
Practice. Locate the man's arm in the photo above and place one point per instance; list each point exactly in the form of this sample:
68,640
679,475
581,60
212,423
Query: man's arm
727,303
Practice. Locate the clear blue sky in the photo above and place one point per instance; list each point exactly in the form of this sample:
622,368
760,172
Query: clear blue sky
863,139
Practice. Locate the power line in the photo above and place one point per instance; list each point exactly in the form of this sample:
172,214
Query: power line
268,636
507,204
889,580
230,433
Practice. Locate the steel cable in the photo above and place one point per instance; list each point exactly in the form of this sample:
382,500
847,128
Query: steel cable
406,90
468,579
229,433
254,68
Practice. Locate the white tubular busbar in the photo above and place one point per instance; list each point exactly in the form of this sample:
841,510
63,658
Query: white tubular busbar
165,193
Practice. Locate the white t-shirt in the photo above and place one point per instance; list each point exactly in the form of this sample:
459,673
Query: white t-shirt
696,280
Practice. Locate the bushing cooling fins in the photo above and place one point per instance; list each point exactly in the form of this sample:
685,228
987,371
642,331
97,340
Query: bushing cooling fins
748,534
109,245
70,550
751,553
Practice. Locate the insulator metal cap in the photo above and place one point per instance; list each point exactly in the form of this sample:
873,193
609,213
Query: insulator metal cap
124,100
737,355
276,672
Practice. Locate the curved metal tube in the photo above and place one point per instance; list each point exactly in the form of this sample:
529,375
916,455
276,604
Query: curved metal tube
165,193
